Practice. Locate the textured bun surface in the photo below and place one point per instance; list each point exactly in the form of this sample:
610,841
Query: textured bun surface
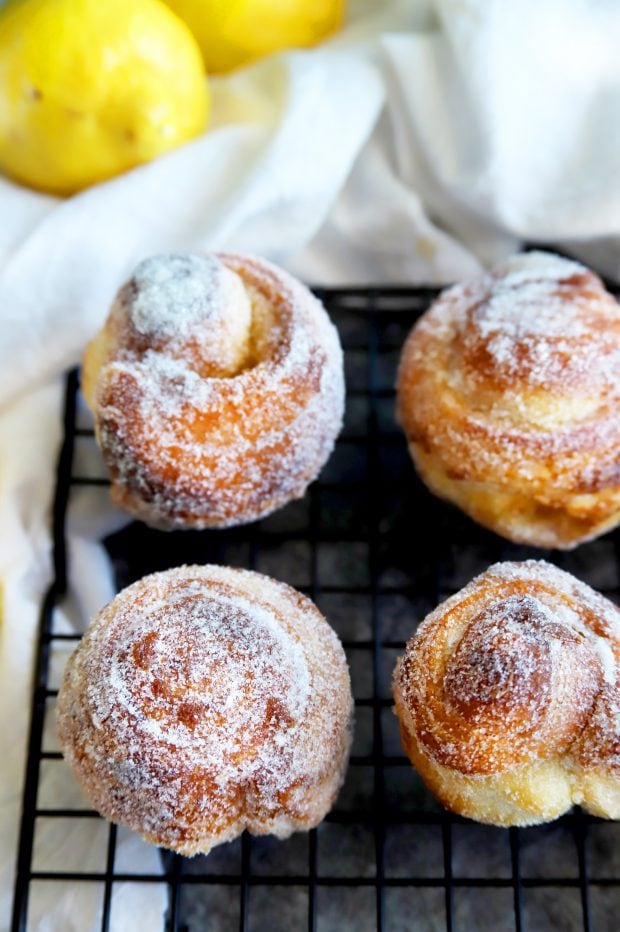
509,393
508,697
203,701
217,388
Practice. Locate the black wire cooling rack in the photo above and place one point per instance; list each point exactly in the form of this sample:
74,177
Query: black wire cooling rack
376,551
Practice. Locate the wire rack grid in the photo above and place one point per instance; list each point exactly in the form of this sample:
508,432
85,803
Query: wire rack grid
376,551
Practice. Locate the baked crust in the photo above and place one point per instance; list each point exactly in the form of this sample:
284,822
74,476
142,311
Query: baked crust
206,700
508,697
509,394
215,416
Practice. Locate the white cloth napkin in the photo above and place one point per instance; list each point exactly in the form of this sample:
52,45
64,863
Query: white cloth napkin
423,141
384,156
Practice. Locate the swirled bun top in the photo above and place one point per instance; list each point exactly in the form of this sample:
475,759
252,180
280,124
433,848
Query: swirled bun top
192,301
218,390
544,322
205,700
509,393
521,669
534,344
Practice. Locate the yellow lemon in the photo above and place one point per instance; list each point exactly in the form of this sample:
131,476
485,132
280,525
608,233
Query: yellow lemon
233,32
91,88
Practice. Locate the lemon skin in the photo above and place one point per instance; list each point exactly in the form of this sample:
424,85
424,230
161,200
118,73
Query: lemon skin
91,88
234,32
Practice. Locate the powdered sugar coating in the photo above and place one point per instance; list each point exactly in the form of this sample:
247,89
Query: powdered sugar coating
519,669
188,448
537,317
173,293
206,700
510,386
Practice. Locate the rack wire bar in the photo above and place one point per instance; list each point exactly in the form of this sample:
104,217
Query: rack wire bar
55,591
376,551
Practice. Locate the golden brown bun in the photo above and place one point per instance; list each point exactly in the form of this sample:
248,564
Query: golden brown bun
509,393
217,389
508,697
204,701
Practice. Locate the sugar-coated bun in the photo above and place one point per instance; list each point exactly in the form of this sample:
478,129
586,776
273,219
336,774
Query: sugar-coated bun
217,388
508,697
509,393
203,701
